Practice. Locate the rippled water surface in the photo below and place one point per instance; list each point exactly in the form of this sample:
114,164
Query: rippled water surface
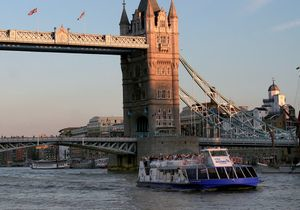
24,188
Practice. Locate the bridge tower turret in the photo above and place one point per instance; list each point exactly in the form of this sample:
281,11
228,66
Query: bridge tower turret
124,22
150,78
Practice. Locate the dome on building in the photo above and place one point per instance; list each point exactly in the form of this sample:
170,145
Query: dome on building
273,87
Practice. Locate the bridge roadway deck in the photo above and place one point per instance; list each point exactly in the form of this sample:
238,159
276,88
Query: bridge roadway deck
63,41
129,145
250,142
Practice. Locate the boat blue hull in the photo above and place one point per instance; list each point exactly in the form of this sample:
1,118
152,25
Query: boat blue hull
227,183
217,184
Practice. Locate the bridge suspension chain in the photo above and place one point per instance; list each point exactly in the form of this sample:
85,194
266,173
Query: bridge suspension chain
233,129
203,112
244,124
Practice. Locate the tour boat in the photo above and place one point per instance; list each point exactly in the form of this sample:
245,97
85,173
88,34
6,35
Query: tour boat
50,164
212,169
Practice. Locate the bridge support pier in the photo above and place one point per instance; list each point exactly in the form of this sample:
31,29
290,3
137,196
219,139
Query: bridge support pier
122,162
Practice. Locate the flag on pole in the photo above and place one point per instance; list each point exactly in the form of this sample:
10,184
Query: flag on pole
81,15
33,11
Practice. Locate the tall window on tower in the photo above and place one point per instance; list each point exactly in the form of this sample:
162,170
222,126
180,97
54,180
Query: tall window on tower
163,43
163,94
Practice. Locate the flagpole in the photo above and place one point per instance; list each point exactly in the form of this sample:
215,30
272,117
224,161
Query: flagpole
36,23
296,103
84,23
85,26
33,12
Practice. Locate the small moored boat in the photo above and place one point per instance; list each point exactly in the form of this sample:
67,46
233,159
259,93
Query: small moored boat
211,169
49,164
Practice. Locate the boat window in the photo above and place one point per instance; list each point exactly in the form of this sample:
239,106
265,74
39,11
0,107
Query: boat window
252,171
218,153
230,172
202,173
191,172
246,172
239,172
212,173
222,173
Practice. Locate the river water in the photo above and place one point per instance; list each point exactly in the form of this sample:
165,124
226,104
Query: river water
24,188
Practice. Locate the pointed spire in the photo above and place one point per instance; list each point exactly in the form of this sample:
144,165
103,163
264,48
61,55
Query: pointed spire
172,11
124,18
143,5
149,11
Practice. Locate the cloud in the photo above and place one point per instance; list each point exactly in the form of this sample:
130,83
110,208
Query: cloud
287,26
255,5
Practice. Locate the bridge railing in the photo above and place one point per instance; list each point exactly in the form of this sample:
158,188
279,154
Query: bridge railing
110,145
65,139
248,142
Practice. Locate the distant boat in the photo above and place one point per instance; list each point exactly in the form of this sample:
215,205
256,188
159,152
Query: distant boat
265,168
101,163
50,164
89,163
58,163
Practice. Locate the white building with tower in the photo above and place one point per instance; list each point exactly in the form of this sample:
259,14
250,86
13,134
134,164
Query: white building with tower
276,100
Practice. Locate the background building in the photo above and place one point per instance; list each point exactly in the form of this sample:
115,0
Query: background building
74,131
275,101
102,126
279,113
97,127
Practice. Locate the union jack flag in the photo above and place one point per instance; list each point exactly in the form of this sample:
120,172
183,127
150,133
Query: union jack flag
81,15
33,11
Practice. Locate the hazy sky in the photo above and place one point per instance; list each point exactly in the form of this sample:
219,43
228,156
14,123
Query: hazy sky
236,45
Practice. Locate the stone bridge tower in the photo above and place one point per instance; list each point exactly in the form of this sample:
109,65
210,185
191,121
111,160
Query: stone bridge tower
150,78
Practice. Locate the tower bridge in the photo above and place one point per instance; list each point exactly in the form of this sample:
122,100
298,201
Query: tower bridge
149,51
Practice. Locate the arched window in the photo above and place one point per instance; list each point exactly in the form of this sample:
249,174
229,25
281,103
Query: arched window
142,124
163,94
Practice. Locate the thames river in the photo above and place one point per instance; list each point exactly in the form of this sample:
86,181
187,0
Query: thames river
24,188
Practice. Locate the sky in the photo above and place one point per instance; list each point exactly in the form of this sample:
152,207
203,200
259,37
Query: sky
238,46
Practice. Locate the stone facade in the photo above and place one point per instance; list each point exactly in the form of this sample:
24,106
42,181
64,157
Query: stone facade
150,78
